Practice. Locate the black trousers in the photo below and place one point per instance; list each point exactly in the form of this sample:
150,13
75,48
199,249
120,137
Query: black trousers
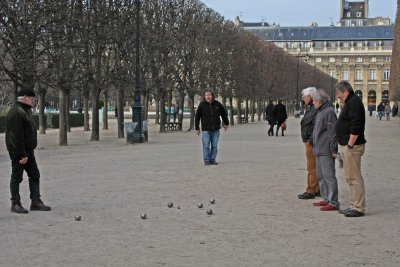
18,169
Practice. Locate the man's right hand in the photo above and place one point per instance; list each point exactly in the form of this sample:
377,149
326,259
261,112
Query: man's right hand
23,161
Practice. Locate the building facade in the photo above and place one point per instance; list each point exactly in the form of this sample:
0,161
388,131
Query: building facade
358,49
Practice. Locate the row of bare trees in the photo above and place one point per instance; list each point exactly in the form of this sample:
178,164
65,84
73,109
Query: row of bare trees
87,47
394,82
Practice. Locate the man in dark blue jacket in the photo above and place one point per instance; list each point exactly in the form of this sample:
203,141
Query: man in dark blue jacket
350,128
21,141
209,113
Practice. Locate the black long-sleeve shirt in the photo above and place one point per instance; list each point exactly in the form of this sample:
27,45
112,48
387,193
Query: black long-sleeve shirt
351,121
209,114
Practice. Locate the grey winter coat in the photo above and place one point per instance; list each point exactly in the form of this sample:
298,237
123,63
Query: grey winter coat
325,141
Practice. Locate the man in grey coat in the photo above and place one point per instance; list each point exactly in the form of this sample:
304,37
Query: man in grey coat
325,151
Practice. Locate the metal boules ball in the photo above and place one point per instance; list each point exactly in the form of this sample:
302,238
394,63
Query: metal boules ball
200,205
143,216
212,200
170,204
77,217
209,211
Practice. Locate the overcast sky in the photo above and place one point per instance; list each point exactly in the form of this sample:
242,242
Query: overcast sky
294,12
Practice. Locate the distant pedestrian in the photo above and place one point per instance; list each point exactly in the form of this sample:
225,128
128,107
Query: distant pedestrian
209,113
395,109
269,117
381,110
350,129
307,127
325,151
370,109
21,141
280,116
388,109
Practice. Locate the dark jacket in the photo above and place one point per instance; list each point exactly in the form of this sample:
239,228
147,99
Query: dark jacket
351,121
307,123
21,135
280,114
324,137
269,113
210,114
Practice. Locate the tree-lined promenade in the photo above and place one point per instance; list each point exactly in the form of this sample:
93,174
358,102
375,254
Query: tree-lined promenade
85,50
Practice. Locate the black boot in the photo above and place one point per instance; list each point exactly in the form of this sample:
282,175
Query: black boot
38,204
17,208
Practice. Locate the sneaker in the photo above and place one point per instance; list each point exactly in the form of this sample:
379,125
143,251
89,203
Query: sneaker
213,162
320,203
328,208
306,195
17,208
207,162
354,213
344,211
39,205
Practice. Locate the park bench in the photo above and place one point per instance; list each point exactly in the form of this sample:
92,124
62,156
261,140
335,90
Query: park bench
173,126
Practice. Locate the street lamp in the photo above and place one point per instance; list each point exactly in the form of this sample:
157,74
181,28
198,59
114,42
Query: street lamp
297,106
137,108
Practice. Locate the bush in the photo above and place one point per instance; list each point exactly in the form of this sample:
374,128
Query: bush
75,120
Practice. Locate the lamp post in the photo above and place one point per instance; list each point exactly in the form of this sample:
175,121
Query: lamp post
137,108
297,106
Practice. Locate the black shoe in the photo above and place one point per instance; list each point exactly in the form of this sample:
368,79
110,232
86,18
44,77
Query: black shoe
269,134
317,194
39,205
17,208
306,195
354,213
207,162
213,162
344,211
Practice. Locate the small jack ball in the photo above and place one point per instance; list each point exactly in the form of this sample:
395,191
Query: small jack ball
209,211
170,204
143,216
77,217
212,201
200,205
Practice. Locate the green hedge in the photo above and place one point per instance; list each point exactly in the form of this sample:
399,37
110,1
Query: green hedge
75,120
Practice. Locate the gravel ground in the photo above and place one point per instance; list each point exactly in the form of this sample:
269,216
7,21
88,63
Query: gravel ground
257,221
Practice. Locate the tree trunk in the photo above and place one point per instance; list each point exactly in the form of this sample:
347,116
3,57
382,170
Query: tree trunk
394,80
62,119
239,111
157,99
232,121
163,119
252,109
105,111
120,112
67,108
180,109
86,111
42,120
95,116
192,112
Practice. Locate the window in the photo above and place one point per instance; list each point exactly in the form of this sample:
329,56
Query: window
359,74
386,74
358,14
348,14
348,23
359,59
345,59
318,60
387,59
345,74
373,59
372,74
346,45
359,44
360,23
331,72
331,59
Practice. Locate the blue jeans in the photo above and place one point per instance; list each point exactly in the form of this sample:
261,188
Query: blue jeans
210,138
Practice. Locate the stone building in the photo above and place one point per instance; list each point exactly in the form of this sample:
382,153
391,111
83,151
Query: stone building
357,49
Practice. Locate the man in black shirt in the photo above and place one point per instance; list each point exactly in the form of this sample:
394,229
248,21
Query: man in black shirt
350,128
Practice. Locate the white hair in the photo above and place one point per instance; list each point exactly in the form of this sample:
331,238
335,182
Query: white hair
308,91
